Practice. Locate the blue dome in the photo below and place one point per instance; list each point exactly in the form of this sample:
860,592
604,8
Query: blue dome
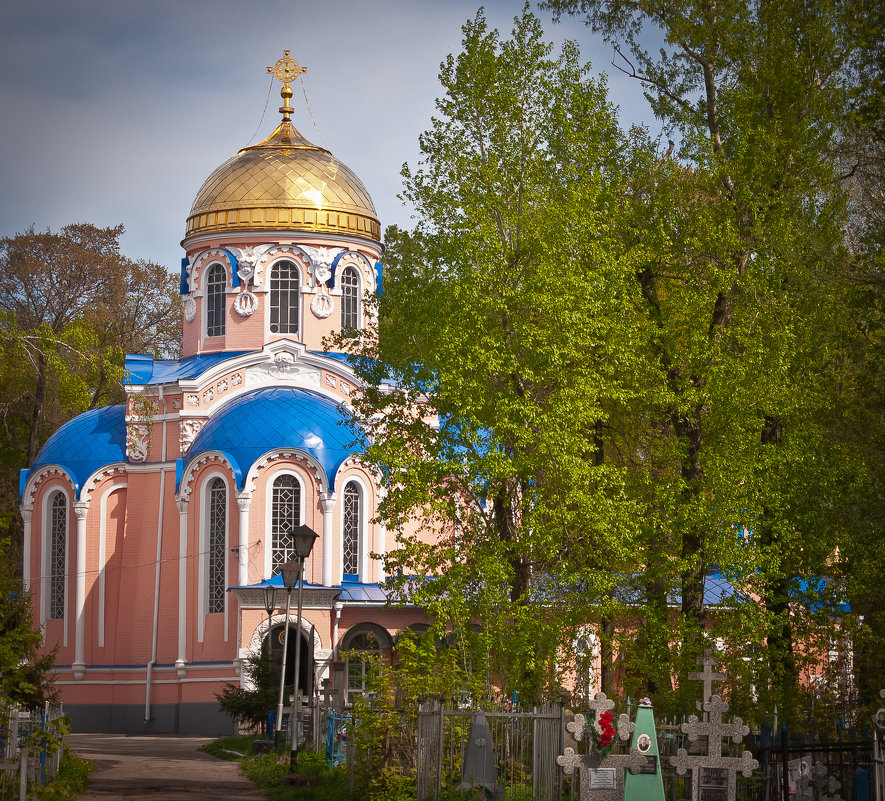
90,441
266,419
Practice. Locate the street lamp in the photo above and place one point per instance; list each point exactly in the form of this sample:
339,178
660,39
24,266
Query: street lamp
292,572
270,603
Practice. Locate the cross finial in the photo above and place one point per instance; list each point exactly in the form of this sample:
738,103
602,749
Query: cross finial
287,69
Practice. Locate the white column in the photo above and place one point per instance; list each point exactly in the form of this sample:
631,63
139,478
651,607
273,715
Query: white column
328,501
244,499
26,552
182,588
80,509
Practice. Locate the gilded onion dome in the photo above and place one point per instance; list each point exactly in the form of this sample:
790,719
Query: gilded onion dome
284,183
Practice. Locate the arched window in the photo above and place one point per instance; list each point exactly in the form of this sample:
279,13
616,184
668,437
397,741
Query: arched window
216,284
285,518
217,542
285,282
350,286
58,530
362,643
353,520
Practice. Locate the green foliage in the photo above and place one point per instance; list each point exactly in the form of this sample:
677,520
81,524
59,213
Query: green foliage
516,320
603,372
71,780
267,771
70,306
25,676
250,707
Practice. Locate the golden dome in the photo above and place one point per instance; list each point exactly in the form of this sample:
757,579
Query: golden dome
284,183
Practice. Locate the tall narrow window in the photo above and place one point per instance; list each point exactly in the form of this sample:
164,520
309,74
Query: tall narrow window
58,529
285,280
352,525
215,584
216,283
350,285
285,518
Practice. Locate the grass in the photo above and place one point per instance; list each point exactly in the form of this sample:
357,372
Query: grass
267,771
73,775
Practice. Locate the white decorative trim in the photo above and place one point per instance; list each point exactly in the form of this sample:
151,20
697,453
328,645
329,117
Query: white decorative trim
296,457
138,436
322,306
188,433
245,304
190,309
33,483
187,477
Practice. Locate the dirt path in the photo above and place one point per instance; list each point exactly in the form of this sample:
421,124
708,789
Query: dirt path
133,768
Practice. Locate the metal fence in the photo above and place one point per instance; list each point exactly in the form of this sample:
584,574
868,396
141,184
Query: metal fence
524,745
30,752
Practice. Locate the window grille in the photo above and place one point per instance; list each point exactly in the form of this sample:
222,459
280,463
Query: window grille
352,524
285,281
350,285
58,529
285,518
216,284
217,542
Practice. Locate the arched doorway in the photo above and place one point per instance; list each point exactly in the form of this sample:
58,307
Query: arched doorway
305,668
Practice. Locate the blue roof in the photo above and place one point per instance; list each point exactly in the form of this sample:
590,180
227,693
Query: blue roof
353,592
146,370
280,417
90,441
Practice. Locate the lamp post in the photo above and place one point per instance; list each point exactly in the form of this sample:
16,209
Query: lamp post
290,577
292,573
304,538
270,603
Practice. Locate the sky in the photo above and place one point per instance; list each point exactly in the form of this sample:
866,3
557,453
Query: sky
116,111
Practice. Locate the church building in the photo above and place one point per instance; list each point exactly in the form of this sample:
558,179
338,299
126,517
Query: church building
151,528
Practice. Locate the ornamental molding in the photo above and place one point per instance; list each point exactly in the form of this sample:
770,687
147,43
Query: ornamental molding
354,462
138,441
282,367
311,467
356,259
99,476
245,304
322,305
198,262
190,473
188,432
276,253
190,309
314,598
34,482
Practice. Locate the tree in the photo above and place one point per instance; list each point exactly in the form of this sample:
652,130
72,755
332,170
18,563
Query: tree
741,287
510,314
25,676
70,306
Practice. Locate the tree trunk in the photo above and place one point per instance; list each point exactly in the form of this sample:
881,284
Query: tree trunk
37,410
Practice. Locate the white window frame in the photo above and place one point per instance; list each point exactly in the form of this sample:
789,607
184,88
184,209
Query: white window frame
358,297
203,577
299,334
46,567
227,280
363,533
268,516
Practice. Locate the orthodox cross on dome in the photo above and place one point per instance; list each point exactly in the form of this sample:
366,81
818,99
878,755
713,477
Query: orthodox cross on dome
287,69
